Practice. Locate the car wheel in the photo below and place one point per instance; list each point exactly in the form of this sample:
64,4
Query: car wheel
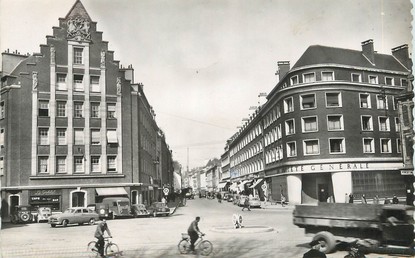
52,225
25,217
65,223
91,221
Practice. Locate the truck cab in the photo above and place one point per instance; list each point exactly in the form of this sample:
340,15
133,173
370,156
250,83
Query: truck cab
117,206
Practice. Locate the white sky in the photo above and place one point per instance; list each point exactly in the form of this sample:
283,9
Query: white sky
204,62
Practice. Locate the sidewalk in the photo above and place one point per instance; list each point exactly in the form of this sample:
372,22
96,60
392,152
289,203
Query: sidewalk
275,205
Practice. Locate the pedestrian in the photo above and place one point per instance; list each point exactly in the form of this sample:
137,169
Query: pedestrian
314,252
354,251
395,200
409,197
351,198
246,204
283,200
194,233
322,197
376,199
99,234
387,201
363,199
346,198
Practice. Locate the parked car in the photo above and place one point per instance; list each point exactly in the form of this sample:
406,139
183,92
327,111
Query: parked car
73,216
202,194
158,208
190,195
102,209
118,206
23,214
139,210
230,198
255,202
43,214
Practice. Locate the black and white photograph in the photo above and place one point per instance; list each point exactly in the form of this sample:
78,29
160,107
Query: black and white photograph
206,128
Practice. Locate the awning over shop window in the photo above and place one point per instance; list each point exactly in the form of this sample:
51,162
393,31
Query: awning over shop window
112,136
222,185
233,187
257,183
110,191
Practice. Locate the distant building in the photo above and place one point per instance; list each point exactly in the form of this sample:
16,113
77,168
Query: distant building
330,123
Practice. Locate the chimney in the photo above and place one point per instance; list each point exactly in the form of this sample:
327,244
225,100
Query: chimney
368,50
283,69
129,73
401,53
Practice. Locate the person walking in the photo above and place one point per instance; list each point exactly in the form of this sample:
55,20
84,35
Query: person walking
376,199
246,204
99,234
323,196
363,199
351,198
194,233
395,200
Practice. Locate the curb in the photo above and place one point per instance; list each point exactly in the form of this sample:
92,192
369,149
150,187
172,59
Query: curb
243,230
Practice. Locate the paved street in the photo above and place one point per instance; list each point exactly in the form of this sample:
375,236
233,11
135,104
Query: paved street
158,237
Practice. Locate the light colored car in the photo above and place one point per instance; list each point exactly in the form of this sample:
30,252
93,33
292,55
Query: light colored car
158,208
43,214
74,216
139,210
255,202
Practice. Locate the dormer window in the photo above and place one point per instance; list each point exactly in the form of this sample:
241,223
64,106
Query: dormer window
309,77
327,76
373,79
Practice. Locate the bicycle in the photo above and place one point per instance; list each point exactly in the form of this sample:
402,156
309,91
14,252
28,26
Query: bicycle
203,247
110,248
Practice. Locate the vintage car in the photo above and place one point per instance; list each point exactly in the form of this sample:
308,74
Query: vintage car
255,202
139,210
74,216
102,209
23,214
43,214
230,198
158,208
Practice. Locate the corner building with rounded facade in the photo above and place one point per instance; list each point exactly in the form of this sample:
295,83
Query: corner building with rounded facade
330,123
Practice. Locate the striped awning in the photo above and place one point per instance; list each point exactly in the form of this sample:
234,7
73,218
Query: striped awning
257,183
111,191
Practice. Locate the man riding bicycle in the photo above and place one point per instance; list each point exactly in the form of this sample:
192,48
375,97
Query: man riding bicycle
194,232
99,234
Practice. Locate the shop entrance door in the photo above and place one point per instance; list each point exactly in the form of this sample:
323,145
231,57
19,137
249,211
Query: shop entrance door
322,193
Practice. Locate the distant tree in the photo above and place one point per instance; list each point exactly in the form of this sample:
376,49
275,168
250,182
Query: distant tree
213,162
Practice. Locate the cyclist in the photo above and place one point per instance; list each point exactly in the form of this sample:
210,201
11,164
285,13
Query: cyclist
99,234
194,232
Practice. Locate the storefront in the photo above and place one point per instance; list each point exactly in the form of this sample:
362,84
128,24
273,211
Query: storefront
46,198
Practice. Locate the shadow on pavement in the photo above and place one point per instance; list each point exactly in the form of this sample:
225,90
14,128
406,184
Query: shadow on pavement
11,225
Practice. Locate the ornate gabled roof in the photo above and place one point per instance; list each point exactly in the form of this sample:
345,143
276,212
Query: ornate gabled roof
78,10
78,23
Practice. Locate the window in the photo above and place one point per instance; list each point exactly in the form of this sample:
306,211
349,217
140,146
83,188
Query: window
61,165
334,122
95,164
94,110
289,127
78,109
279,133
327,76
404,82
2,110
95,84
333,99
61,109
397,125
308,101
291,149
384,124
356,77
111,110
61,136
337,145
294,80
288,105
78,55
43,136
309,77
1,137
95,137
382,102
112,137
61,81
389,81
79,136
309,124
278,110
112,163
367,123
368,145
43,165
373,79
78,199
311,147
365,100
1,166
43,108
78,82
395,103
398,146
385,146
79,164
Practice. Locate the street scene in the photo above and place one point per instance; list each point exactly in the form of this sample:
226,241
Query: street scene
151,128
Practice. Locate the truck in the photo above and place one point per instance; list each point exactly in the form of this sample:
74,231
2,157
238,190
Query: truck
114,207
372,225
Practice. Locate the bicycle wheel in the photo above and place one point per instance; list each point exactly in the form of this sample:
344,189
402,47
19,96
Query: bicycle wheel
111,249
90,249
205,247
183,246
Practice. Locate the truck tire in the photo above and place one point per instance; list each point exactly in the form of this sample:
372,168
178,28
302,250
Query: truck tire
327,241
24,217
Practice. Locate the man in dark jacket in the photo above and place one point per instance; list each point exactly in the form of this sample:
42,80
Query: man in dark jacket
314,252
194,232
99,234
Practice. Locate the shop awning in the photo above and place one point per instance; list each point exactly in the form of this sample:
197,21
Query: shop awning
222,185
233,187
112,136
257,183
110,191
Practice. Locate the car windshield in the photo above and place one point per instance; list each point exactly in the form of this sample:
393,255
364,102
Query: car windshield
159,205
69,210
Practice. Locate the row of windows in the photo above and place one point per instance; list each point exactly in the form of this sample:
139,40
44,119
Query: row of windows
78,136
254,166
78,165
257,130
354,77
78,82
247,154
78,109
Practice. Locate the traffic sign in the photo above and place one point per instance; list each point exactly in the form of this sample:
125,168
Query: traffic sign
166,191
264,187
